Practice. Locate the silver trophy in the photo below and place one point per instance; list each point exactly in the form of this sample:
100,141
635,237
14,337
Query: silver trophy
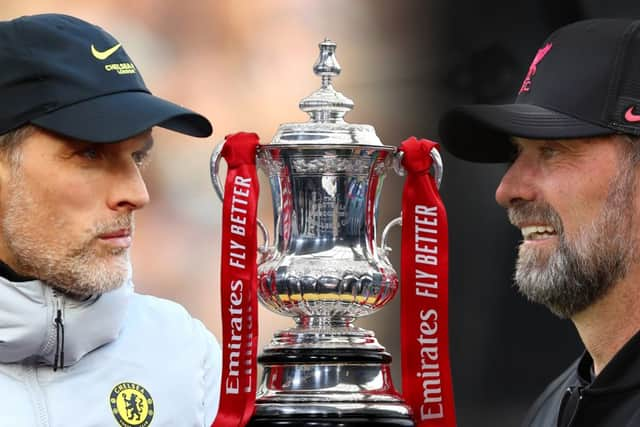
325,268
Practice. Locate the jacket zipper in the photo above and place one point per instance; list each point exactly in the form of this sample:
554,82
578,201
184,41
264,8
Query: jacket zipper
35,390
37,396
58,360
577,407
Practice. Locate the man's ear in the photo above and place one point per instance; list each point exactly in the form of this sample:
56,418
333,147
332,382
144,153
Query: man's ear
11,154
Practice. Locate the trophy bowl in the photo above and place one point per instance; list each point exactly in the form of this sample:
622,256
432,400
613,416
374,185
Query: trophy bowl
325,267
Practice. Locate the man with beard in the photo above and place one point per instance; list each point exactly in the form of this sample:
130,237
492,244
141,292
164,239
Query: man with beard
77,345
571,138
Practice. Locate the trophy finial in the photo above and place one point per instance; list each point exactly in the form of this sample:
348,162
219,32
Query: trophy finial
327,64
326,104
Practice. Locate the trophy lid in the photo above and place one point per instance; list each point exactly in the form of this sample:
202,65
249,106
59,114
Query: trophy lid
326,108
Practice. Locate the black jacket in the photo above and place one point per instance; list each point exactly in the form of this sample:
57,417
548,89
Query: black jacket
574,399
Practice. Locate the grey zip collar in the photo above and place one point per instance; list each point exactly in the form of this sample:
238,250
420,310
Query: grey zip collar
29,330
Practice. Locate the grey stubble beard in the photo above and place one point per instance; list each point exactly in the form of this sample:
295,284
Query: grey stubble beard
580,270
77,268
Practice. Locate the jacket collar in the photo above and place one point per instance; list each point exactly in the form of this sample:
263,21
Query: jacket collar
28,329
621,373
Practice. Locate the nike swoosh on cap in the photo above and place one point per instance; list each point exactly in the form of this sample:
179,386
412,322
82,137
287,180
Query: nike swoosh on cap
630,116
105,54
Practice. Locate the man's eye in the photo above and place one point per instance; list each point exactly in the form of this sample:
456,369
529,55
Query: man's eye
140,158
90,153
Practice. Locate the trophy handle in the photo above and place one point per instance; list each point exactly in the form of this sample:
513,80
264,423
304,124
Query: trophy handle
436,166
386,248
436,171
217,185
215,167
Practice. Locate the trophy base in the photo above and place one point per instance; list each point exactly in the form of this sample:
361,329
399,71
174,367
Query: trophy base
323,387
330,422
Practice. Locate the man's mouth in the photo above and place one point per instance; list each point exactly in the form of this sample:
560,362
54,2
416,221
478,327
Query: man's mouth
537,232
119,238
123,232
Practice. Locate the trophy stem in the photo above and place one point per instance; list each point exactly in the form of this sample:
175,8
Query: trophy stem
323,322
321,335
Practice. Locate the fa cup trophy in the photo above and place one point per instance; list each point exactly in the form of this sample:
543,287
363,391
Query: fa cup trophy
324,269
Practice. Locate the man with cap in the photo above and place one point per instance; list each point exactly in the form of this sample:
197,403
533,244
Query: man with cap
77,345
571,139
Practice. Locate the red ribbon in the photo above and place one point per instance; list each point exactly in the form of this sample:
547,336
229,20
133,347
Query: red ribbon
238,282
426,370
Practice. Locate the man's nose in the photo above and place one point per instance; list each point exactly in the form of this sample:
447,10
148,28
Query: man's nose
517,184
128,189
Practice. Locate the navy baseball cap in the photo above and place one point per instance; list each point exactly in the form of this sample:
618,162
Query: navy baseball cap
584,81
73,78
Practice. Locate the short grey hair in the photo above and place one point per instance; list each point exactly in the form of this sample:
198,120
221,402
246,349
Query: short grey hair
10,143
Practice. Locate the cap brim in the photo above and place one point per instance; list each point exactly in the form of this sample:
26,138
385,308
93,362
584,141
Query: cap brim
122,115
481,133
